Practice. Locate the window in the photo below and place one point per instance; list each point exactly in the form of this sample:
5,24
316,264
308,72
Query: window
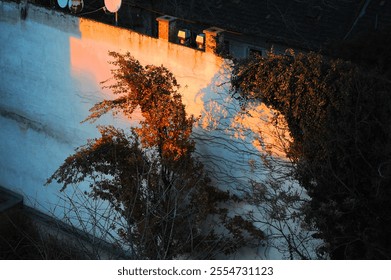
254,52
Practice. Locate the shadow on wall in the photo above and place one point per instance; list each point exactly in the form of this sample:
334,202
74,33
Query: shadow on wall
230,140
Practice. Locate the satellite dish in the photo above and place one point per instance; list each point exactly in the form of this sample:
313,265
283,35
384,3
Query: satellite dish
75,6
62,3
113,5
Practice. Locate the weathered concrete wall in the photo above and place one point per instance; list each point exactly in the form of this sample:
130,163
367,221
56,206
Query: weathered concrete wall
51,68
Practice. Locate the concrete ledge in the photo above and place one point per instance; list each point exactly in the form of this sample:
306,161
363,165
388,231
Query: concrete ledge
9,200
90,246
47,226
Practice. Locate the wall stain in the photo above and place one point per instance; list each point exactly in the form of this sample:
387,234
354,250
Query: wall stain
26,123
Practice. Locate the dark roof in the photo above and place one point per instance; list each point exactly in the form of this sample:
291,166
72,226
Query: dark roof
305,23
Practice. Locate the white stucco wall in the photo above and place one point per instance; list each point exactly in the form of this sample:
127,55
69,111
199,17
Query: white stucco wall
51,68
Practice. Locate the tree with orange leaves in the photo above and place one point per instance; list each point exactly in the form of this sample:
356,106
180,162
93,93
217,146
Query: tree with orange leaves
149,176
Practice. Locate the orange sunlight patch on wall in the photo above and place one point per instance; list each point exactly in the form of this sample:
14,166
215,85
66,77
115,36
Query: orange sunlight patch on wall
268,136
88,64
194,69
